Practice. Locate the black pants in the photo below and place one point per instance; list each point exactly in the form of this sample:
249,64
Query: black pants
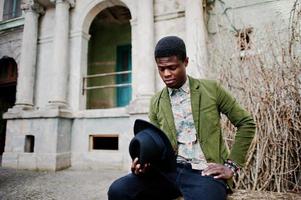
156,186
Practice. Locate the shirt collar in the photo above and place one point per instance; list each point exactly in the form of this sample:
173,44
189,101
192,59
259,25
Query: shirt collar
184,88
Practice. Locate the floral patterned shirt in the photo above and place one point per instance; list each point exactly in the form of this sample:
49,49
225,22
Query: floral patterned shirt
189,149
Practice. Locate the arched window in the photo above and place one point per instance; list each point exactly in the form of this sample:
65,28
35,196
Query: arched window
108,80
8,71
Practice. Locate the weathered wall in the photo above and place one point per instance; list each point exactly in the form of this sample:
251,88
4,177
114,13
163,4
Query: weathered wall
84,157
243,13
262,16
169,17
10,43
51,146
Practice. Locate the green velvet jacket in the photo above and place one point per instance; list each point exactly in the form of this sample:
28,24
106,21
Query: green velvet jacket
208,101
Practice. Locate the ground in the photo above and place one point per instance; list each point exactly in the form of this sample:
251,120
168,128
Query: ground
62,185
73,184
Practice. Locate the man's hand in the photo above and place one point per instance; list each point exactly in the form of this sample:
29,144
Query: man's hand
137,169
218,171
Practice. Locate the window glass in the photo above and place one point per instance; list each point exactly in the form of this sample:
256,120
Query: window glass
12,9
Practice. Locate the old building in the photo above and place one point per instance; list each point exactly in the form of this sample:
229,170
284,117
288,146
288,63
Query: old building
86,70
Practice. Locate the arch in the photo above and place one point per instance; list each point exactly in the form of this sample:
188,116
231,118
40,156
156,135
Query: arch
8,82
95,7
8,71
108,80
80,25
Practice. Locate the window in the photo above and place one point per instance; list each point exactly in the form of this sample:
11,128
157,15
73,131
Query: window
111,89
124,93
12,9
29,144
103,142
108,80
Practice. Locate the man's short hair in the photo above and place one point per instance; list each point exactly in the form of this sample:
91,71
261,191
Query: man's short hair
170,46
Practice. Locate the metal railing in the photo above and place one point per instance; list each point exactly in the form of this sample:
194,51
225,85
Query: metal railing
85,80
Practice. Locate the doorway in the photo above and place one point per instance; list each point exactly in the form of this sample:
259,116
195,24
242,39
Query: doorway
8,82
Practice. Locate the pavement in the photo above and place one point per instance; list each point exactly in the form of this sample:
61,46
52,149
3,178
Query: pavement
71,184
67,184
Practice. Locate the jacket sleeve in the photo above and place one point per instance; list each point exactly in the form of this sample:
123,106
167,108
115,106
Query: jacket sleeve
241,119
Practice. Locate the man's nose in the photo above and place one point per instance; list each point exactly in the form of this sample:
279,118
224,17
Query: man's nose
166,73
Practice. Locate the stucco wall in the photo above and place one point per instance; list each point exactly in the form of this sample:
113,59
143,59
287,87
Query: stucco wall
52,143
10,43
261,15
169,17
84,157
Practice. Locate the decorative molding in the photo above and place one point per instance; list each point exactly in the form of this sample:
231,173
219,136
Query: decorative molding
29,112
79,33
71,2
169,16
12,23
34,112
45,39
102,113
73,34
32,5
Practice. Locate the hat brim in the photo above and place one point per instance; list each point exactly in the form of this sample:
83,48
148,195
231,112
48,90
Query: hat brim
169,164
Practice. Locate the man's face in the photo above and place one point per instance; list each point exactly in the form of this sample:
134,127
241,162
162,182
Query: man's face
172,71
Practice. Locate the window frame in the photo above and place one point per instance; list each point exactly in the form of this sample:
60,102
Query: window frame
120,86
11,12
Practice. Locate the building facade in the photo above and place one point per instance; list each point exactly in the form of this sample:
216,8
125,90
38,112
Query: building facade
86,71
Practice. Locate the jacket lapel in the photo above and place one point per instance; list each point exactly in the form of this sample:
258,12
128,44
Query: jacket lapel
195,101
195,106
167,111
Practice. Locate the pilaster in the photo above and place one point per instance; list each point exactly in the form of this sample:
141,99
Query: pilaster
144,71
196,38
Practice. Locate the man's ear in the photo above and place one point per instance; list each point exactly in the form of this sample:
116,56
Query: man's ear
186,61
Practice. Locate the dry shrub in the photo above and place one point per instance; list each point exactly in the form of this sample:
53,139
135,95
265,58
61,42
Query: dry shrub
266,78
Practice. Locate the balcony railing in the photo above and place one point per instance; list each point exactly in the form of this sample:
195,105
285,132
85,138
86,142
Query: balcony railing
86,78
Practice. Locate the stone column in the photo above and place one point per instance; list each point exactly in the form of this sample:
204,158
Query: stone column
144,71
196,38
59,70
26,69
1,10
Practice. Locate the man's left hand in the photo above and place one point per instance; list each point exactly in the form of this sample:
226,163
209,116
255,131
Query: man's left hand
218,171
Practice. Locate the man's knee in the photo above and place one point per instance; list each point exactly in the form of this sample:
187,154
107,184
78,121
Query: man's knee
116,190
122,188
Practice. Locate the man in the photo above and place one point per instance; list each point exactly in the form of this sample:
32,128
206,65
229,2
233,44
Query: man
188,111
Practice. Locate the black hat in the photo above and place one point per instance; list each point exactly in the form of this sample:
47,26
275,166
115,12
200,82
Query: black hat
151,145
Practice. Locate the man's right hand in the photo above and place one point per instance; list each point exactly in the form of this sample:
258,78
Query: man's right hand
138,169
